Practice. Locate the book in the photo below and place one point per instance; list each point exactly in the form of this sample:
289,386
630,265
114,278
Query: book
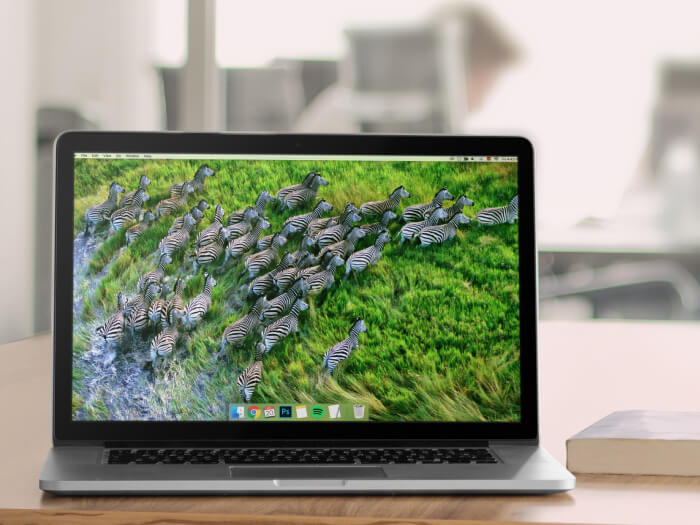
638,442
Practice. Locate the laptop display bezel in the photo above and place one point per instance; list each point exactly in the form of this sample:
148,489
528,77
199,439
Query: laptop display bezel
65,430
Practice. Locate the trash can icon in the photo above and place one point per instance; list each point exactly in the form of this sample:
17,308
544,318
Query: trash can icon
359,411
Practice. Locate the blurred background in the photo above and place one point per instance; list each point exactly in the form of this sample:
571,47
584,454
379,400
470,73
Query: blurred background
608,92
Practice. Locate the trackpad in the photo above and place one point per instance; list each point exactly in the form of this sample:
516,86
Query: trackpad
310,472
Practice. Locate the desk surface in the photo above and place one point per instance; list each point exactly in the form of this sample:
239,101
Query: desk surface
586,371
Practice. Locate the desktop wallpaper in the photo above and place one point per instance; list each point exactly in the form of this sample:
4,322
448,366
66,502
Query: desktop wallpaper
442,320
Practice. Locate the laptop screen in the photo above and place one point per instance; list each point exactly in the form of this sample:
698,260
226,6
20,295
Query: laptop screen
254,288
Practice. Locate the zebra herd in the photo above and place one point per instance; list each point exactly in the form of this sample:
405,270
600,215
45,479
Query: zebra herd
278,284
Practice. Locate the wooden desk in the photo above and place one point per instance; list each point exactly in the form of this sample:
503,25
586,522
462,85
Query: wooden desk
586,371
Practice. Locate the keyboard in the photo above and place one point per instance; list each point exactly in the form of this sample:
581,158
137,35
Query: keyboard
296,456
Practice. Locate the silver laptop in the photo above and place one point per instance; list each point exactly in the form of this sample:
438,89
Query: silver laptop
267,313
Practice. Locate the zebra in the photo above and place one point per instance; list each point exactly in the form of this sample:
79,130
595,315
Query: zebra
326,222
286,278
260,203
324,279
207,254
410,230
336,233
369,209
303,196
457,207
179,238
444,232
208,234
256,263
251,376
99,213
176,305
239,229
128,198
164,342
360,260
284,326
286,231
199,306
416,212
112,331
491,216
235,333
156,312
378,227
197,182
135,231
196,211
167,206
306,243
238,247
137,319
300,222
154,276
283,192
263,284
341,351
129,213
343,248
281,304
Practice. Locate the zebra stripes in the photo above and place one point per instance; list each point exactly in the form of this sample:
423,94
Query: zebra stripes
238,247
286,231
128,198
197,182
284,326
411,229
154,276
129,213
156,312
283,192
325,278
369,209
137,319
344,247
306,244
360,260
179,238
265,283
176,306
503,214
209,234
378,227
251,376
417,212
443,232
207,254
112,331
341,351
260,261
164,342
286,278
326,222
303,196
300,222
281,304
239,229
137,230
235,333
260,204
336,233
196,211
167,206
199,306
99,213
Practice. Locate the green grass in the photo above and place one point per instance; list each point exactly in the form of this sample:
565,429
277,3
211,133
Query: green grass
443,328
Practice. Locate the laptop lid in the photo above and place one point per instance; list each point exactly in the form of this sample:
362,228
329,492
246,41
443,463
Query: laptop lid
400,305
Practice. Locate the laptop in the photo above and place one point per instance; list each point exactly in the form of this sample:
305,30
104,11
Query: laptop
281,313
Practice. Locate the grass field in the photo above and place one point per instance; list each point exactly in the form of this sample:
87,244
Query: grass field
443,321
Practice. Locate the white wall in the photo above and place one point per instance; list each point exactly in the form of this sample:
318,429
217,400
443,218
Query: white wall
17,177
96,55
